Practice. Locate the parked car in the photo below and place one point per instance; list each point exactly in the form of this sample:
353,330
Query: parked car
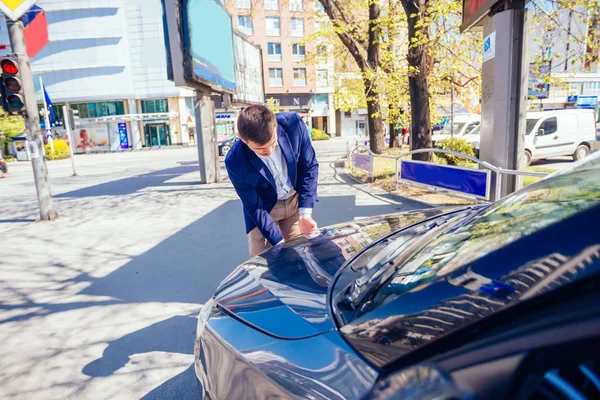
494,301
463,124
3,167
552,134
225,145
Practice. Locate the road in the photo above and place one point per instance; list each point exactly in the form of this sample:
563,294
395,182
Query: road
102,303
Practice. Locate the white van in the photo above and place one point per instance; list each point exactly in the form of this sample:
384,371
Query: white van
463,124
559,133
554,133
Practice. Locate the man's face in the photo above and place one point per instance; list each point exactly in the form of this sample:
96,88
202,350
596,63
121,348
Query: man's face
263,149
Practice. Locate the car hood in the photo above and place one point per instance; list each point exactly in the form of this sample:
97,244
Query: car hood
283,292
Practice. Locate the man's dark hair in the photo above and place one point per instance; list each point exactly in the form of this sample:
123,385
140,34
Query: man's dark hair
256,124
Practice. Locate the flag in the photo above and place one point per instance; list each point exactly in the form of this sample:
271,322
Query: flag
35,30
49,105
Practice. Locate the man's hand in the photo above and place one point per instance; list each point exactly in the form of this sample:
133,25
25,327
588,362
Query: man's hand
307,224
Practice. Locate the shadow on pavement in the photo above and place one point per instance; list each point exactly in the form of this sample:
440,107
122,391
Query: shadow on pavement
173,335
133,184
182,387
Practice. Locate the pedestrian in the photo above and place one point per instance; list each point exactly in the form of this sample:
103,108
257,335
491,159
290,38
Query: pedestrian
274,170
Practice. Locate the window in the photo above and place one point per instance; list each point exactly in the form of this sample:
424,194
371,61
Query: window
549,126
322,77
296,5
155,106
318,7
471,126
298,52
297,26
318,25
275,77
299,76
274,50
321,99
99,109
347,114
189,104
273,26
243,3
245,24
271,4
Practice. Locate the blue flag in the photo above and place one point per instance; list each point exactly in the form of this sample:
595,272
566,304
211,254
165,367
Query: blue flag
49,105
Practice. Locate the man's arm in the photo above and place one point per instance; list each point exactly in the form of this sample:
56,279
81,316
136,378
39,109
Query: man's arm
253,205
308,170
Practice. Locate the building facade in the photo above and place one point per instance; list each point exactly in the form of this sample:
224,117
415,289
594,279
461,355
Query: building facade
107,60
295,77
574,64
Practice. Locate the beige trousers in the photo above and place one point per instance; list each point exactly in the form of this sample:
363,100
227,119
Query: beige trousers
286,216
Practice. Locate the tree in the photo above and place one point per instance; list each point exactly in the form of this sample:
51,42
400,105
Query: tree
362,39
417,12
10,126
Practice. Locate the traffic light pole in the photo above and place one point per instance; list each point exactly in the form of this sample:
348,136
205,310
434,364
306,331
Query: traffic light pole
32,123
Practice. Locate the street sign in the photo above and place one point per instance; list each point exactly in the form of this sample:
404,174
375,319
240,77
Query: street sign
15,9
49,136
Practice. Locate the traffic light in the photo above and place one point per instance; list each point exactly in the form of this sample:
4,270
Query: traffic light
13,98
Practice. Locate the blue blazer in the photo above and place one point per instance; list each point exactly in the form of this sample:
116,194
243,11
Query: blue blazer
255,184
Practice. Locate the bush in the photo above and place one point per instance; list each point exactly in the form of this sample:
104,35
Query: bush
318,135
9,158
458,145
61,150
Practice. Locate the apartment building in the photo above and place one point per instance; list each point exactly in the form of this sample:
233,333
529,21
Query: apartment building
296,77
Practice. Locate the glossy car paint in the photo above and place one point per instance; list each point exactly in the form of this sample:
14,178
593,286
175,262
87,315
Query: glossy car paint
270,331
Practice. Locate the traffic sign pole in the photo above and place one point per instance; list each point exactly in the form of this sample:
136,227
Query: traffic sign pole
32,123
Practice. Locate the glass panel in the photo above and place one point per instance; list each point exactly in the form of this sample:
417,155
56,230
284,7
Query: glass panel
111,108
92,110
549,126
297,25
83,110
120,108
296,5
101,109
243,3
271,5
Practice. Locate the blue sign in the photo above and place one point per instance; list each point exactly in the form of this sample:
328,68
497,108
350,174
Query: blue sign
208,43
455,179
587,102
123,138
49,135
572,99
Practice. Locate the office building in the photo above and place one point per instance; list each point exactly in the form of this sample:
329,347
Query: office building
298,74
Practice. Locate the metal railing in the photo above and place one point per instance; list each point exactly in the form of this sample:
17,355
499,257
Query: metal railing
498,171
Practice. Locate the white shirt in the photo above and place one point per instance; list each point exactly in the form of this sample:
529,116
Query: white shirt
278,167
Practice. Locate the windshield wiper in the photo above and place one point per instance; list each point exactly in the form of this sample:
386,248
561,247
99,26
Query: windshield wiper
381,267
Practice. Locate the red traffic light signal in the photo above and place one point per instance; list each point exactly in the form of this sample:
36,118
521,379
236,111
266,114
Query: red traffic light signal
9,67
13,97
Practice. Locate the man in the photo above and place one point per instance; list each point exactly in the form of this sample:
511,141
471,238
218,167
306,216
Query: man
274,170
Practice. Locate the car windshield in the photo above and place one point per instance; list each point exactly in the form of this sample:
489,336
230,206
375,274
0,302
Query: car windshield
502,223
457,128
530,125
475,131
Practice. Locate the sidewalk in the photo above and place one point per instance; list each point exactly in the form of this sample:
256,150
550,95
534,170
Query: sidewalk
102,303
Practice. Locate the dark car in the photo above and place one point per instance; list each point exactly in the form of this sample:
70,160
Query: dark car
225,145
496,301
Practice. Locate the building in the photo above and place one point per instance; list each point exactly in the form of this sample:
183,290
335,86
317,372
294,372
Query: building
571,62
297,78
107,60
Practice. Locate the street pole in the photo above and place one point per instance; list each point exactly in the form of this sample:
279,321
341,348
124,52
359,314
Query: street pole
32,123
70,136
